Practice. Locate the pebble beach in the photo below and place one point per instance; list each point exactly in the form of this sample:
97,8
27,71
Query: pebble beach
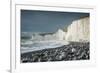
70,52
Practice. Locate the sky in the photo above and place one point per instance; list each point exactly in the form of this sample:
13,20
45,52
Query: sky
47,21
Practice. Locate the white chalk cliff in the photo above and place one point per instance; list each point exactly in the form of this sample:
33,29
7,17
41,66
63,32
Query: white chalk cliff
79,30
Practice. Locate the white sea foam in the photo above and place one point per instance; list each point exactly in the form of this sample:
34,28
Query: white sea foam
39,45
39,42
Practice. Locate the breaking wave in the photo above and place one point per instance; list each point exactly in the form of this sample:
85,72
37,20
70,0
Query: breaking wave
39,41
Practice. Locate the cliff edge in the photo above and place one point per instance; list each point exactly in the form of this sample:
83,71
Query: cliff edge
79,30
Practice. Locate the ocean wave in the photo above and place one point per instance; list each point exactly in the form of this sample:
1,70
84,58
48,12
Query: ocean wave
39,45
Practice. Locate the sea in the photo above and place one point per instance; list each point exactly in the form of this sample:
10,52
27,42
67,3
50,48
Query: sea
33,41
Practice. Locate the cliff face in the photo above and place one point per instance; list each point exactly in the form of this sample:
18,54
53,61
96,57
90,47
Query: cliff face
79,30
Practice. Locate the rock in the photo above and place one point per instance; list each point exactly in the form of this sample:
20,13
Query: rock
72,51
79,30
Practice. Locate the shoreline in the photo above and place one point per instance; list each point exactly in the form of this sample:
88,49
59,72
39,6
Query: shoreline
72,51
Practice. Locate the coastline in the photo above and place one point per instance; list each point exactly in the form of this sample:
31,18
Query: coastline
72,51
